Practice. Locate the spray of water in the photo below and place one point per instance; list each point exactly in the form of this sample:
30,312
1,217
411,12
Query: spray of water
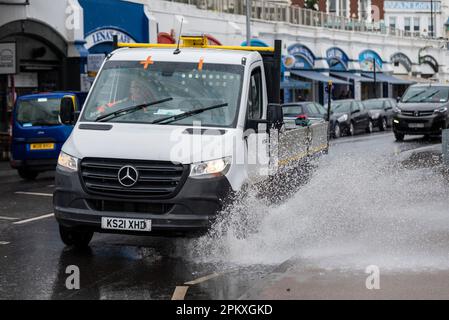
357,209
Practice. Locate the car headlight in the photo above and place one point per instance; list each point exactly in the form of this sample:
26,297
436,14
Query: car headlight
343,118
67,162
213,168
441,110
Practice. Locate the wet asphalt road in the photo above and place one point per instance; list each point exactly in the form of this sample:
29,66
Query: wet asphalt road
33,260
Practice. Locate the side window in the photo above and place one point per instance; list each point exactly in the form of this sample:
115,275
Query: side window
255,96
361,106
313,110
321,109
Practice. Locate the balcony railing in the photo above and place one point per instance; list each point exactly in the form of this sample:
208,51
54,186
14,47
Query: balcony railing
281,11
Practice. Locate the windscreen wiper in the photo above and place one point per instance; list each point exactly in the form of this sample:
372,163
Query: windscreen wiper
429,96
414,96
187,114
129,110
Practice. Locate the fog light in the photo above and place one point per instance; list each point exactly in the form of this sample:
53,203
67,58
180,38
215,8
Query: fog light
396,121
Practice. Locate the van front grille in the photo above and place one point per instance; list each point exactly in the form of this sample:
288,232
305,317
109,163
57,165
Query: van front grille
157,179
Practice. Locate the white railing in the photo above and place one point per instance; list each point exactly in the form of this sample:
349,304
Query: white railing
281,11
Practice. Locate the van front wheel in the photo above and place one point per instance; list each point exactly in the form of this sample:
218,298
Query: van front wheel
27,174
75,238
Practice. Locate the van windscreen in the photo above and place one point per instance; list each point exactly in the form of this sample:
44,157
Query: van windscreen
431,94
185,86
38,112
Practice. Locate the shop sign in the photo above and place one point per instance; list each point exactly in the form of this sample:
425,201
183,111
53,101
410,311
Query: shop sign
106,35
400,58
8,63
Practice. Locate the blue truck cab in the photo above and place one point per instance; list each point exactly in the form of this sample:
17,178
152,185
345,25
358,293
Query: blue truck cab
37,132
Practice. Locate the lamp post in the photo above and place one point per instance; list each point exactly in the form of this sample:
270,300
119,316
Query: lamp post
431,18
248,22
375,77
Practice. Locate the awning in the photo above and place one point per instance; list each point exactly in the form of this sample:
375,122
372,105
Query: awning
317,76
294,84
411,78
382,77
351,76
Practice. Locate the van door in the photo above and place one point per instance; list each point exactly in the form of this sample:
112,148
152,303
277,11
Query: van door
257,152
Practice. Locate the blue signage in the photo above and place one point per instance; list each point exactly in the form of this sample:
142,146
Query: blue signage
337,59
304,57
366,59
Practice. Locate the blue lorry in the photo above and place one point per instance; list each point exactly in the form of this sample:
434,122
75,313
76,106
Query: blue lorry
37,132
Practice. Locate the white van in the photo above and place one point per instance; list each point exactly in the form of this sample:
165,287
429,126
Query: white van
162,139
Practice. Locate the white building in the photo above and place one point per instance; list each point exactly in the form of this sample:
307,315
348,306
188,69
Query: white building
415,16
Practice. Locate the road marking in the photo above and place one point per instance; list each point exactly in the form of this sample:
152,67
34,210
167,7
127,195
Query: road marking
7,218
35,194
180,293
203,279
34,219
3,243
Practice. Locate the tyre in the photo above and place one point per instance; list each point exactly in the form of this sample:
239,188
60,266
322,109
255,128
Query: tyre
75,238
369,129
337,131
27,174
351,129
399,136
383,124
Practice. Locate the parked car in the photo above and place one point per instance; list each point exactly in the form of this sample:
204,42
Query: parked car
303,113
37,132
381,112
349,117
423,110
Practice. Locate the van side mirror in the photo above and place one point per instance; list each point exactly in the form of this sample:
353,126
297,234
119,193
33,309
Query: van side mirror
275,115
398,99
67,110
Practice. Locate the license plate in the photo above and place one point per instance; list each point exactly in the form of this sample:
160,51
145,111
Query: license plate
416,125
125,224
42,146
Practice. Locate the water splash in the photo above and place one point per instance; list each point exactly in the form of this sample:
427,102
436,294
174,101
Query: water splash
358,209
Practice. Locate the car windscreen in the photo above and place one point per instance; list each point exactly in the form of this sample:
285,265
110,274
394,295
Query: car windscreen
185,86
373,104
431,94
341,107
38,112
293,111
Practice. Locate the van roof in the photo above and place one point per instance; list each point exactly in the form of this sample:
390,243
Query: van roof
220,56
431,84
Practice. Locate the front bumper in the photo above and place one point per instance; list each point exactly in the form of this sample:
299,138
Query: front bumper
427,125
38,165
193,209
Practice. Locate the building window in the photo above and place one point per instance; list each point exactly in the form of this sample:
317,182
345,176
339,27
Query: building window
333,6
416,25
364,9
407,24
392,22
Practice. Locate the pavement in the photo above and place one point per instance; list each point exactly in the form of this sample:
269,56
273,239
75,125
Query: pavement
371,205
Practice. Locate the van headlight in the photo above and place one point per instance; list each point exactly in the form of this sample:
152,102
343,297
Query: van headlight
397,110
209,169
67,162
441,110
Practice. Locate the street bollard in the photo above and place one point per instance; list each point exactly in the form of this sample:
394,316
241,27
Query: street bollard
445,147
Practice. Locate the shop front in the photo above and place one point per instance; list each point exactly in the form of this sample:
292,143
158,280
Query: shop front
339,67
303,66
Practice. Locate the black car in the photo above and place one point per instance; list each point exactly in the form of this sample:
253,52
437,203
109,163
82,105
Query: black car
348,117
305,113
423,110
381,112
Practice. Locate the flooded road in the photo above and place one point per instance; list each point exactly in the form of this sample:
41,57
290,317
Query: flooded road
370,202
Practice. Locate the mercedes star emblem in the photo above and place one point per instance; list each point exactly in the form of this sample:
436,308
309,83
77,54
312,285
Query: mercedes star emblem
128,176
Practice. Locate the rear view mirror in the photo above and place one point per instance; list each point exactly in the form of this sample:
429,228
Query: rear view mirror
275,115
67,110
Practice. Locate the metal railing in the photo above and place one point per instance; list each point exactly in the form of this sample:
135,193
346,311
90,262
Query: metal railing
281,11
